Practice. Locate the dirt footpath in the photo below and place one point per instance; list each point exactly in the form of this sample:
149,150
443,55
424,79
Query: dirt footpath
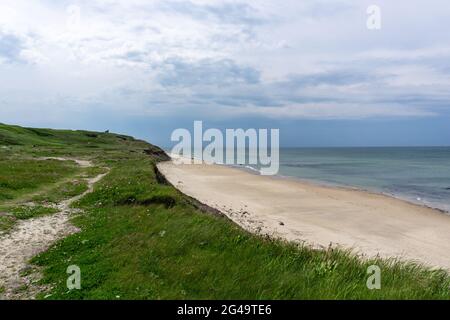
31,237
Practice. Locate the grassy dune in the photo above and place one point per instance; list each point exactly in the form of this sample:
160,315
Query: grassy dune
142,239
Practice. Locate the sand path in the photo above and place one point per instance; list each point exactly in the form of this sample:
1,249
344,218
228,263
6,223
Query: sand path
31,237
370,224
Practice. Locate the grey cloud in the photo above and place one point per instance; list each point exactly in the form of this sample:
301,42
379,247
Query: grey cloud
224,83
10,47
142,28
342,77
231,13
135,56
362,68
206,72
433,101
320,9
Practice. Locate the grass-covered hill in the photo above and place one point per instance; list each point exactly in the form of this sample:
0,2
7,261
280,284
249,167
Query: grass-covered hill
141,239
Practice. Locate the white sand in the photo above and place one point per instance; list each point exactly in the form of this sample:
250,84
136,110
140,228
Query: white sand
368,223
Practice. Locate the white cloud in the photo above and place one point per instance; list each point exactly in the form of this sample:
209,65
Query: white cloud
290,59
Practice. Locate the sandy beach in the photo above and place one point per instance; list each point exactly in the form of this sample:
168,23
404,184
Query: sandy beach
369,224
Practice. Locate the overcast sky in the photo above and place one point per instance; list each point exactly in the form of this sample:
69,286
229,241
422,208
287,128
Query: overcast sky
311,68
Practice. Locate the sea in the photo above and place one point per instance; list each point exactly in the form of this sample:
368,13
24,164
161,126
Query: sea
416,174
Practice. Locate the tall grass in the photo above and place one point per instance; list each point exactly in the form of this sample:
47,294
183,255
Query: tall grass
135,245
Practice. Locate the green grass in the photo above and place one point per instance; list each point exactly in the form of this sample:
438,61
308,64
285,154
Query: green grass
17,136
19,176
28,212
6,223
10,215
28,186
61,192
166,249
141,239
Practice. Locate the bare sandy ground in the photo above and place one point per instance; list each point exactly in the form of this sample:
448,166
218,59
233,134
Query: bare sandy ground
369,224
31,237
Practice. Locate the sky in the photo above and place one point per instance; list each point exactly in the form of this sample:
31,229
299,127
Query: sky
311,68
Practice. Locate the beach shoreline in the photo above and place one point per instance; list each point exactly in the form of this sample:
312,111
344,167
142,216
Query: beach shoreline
336,185
442,208
368,223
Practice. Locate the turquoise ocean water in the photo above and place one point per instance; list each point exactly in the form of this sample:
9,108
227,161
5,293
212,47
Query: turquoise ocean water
417,174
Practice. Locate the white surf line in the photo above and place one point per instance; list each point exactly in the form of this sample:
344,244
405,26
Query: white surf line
33,236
